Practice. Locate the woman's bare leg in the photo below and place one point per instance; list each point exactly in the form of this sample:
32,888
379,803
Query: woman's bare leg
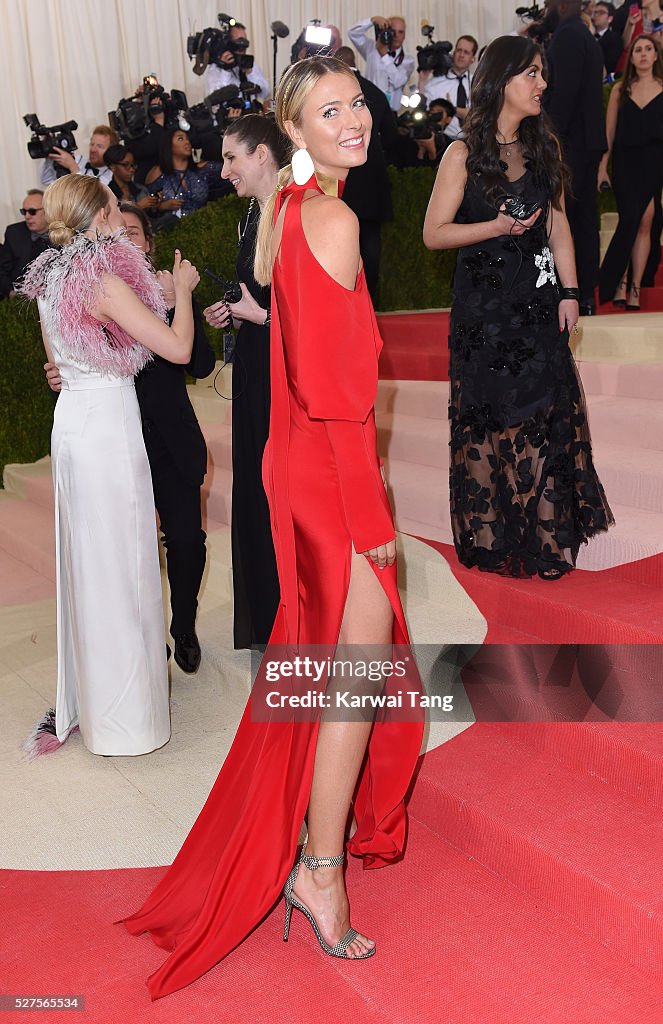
642,245
367,619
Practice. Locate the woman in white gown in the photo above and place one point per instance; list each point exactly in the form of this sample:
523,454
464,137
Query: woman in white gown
102,315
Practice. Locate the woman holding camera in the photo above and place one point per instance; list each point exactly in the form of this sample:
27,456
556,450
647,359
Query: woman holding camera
524,492
254,149
102,316
634,126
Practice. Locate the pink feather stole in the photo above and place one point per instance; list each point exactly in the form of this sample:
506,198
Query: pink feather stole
68,282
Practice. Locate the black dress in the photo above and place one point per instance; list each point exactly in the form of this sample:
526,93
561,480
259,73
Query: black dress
524,491
255,580
637,178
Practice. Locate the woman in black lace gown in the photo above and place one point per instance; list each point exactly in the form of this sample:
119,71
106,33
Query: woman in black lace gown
253,152
634,127
524,491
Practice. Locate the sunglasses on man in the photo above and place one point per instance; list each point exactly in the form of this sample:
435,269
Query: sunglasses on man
30,209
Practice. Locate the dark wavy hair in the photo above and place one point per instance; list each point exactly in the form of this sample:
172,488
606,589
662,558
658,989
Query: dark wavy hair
166,150
630,74
504,58
254,130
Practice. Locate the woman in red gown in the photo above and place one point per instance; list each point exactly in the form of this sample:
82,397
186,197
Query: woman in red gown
335,548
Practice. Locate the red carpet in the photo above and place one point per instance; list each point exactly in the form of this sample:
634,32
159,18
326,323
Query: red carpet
415,346
603,607
530,894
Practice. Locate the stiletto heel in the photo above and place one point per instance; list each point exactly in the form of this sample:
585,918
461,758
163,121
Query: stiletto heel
313,863
635,292
621,302
288,915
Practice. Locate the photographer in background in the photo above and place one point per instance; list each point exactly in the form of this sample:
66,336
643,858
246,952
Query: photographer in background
102,137
455,85
387,64
422,141
227,72
24,241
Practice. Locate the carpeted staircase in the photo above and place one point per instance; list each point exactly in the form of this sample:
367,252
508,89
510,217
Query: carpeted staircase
531,892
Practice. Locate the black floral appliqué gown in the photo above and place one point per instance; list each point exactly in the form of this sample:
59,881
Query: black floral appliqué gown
524,491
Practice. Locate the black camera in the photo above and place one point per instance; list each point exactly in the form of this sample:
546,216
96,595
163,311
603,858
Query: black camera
385,35
420,124
516,206
206,47
132,117
44,140
533,13
434,56
232,291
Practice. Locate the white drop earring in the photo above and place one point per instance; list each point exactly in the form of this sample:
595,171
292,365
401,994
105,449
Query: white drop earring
302,166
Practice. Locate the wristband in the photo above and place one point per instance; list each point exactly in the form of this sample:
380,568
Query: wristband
570,293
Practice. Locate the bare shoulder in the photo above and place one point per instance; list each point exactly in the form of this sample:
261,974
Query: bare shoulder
329,220
332,233
455,156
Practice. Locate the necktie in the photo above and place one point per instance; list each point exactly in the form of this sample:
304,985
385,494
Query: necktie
461,95
90,169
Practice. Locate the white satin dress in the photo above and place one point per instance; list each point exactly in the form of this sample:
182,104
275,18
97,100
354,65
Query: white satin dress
112,673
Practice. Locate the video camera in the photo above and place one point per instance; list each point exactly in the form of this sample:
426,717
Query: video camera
205,48
44,140
132,117
420,123
214,113
434,56
533,13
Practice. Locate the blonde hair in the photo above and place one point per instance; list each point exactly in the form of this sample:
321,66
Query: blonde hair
71,204
297,82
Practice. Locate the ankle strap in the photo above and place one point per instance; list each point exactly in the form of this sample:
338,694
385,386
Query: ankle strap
313,863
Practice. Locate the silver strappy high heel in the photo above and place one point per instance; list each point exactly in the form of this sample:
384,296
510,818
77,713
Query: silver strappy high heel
313,863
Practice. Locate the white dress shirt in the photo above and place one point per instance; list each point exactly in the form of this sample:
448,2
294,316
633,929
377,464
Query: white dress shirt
218,78
383,71
445,87
47,173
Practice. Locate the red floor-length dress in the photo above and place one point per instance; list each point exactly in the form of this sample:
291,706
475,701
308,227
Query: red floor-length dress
325,491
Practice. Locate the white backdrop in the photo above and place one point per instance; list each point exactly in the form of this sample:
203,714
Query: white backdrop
74,59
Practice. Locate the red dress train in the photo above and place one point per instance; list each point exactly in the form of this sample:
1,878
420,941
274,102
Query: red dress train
325,491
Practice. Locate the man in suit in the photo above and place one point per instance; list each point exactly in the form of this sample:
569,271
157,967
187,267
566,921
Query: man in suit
610,41
23,241
574,102
367,188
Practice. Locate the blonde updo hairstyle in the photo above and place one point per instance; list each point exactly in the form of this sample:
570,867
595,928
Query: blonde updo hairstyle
71,204
297,82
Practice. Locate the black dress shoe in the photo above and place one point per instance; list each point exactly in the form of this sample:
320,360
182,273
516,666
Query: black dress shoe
187,652
587,309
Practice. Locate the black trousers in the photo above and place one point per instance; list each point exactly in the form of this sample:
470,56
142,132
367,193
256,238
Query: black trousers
582,211
370,245
178,504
